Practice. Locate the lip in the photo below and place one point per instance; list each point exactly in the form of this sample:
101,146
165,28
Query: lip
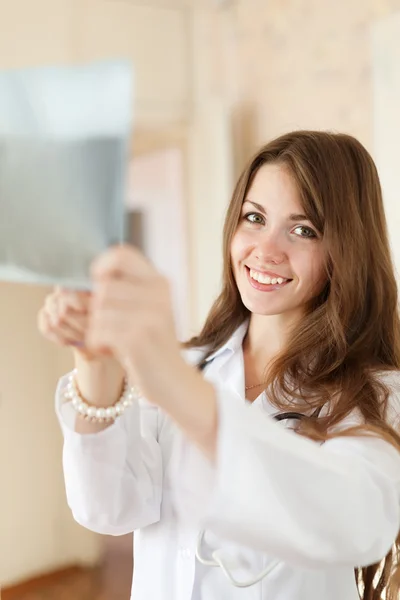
262,287
268,273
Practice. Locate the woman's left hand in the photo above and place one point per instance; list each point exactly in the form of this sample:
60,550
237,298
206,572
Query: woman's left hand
131,312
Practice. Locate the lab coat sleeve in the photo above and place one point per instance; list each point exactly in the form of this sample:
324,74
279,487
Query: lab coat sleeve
301,502
113,478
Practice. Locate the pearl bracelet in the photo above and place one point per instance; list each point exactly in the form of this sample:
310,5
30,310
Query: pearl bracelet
96,414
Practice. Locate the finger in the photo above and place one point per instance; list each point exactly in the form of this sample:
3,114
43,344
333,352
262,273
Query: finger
62,340
66,303
78,301
119,294
63,335
108,329
128,294
42,322
52,319
119,330
68,336
59,319
77,322
63,313
54,315
122,261
56,339
65,329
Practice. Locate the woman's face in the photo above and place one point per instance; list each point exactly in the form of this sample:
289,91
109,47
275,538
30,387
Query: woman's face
277,255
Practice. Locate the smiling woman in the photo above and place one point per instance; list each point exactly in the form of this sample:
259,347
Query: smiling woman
277,248
264,460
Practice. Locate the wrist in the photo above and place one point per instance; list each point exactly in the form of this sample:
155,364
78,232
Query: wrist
82,354
99,414
100,380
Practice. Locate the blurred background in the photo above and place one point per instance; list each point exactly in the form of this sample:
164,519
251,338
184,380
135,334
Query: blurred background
215,79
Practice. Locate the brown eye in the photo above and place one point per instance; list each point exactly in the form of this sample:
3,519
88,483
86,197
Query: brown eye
305,232
254,218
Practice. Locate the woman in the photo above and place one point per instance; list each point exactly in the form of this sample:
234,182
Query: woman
228,501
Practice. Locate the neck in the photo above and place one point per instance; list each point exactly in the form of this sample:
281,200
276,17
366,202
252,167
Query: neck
267,337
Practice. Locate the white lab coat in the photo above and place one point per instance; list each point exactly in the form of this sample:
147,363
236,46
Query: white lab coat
320,510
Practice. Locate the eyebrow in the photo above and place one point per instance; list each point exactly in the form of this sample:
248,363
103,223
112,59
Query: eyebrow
294,217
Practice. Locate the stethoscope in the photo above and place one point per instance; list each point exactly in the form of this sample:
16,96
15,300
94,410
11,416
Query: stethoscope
215,560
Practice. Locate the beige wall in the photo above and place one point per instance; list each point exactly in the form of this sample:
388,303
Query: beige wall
290,64
156,182
386,79
36,529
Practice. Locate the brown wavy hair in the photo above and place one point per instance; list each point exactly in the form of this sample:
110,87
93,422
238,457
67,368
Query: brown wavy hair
351,332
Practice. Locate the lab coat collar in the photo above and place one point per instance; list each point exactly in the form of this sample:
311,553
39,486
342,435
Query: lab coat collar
233,344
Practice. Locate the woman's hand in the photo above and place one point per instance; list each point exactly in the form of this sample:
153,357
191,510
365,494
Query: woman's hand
132,317
131,312
63,319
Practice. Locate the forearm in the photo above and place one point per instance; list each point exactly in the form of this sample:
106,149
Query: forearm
336,503
113,478
181,391
100,383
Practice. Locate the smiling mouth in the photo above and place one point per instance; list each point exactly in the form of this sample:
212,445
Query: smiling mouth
267,279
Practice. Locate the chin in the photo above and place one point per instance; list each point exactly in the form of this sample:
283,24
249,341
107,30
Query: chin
267,313
258,308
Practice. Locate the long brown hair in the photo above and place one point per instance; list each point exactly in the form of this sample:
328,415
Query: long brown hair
351,332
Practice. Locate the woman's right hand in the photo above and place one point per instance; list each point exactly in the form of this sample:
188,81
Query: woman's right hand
63,319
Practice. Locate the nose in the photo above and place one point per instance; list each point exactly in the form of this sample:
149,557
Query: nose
270,249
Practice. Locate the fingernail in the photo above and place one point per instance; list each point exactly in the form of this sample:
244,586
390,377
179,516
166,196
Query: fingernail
78,344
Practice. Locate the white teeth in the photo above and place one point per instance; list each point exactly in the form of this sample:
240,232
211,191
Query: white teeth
254,275
266,279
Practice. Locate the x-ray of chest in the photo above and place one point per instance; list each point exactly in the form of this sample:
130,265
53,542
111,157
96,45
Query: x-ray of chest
64,139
